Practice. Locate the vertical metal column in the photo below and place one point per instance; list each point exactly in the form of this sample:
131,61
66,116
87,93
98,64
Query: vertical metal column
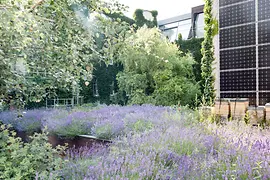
257,53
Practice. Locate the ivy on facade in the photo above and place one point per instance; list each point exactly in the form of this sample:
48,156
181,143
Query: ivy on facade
207,50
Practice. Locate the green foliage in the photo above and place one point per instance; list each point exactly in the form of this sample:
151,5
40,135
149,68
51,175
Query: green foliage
184,147
154,72
20,160
207,50
72,130
48,45
192,46
175,86
141,20
141,126
104,132
247,118
105,76
122,17
44,37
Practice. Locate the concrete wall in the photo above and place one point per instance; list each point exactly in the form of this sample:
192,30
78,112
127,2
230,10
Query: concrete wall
216,66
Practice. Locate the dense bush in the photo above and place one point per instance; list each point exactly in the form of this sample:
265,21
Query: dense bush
20,160
154,72
114,121
192,46
104,122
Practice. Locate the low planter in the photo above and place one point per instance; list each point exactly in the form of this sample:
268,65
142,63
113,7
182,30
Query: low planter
267,114
256,115
87,140
222,108
239,107
24,135
77,142
55,140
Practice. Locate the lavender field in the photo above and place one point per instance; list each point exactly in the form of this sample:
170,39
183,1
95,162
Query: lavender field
151,142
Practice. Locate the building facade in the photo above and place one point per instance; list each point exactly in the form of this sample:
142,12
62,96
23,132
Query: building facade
243,57
188,25
242,47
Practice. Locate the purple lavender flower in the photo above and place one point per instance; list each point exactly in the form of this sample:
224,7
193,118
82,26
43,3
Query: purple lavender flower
29,121
68,124
150,142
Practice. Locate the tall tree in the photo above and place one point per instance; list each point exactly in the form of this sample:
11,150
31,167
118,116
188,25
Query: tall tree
154,72
46,45
207,50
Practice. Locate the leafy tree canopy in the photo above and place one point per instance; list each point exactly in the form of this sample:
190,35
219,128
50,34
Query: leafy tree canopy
48,44
141,20
154,72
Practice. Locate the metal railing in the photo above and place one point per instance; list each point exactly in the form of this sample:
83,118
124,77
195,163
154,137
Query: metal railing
64,102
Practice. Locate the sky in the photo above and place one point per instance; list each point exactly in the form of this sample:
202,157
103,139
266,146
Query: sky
165,8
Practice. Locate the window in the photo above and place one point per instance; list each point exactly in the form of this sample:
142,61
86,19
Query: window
199,25
174,29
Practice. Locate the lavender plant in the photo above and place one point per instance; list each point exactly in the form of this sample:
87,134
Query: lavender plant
150,142
113,121
28,121
175,149
67,124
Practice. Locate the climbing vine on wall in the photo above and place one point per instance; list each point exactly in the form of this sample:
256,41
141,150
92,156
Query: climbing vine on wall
207,50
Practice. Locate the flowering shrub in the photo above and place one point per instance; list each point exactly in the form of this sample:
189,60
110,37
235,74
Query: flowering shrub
20,160
29,121
68,125
150,142
171,148
105,122
113,121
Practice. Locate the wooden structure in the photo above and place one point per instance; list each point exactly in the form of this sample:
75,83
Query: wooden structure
238,107
222,107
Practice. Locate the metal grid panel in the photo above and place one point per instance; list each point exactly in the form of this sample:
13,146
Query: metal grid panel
264,79
250,96
264,32
238,80
264,97
237,14
264,56
238,58
244,43
237,36
228,2
263,9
